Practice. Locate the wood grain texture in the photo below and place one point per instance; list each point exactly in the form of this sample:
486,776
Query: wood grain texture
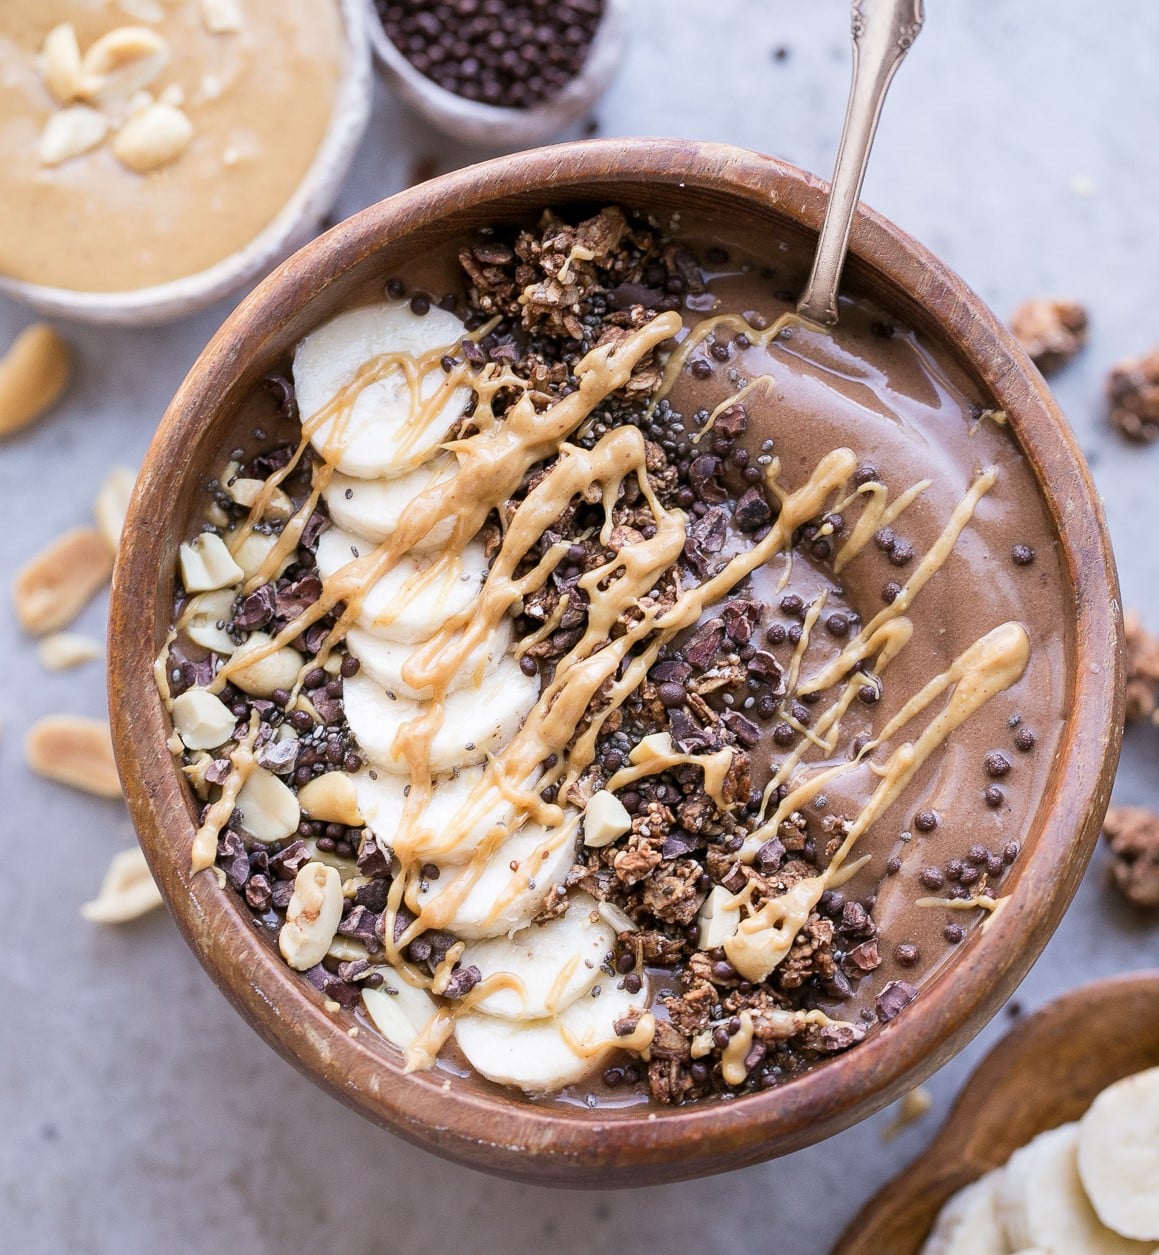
1043,1073
470,1120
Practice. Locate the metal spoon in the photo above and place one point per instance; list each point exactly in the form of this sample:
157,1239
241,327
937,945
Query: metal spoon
883,31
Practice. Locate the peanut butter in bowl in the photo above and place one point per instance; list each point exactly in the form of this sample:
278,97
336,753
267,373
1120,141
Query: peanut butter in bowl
145,141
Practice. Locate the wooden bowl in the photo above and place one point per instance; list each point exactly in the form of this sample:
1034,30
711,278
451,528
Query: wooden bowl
464,1118
1043,1073
294,223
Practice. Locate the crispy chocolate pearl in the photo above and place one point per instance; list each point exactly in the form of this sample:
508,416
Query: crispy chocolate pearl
969,876
784,734
700,368
1024,740
954,933
420,304
802,714
766,706
931,878
395,289
907,954
901,553
795,633
776,633
865,474
1010,852
996,764
528,665
926,821
1023,555
994,797
978,854
671,694
890,592
892,865
793,605
994,865
885,540
838,624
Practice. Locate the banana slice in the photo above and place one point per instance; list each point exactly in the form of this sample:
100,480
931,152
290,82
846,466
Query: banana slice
416,596
510,889
1040,1201
476,721
391,427
1118,1155
383,661
400,1011
968,1223
382,802
540,1056
550,965
371,508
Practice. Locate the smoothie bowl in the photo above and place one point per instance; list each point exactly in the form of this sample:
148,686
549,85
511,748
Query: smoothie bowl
599,725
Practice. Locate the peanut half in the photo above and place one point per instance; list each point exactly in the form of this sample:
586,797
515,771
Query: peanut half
33,374
127,891
75,751
64,650
122,62
52,589
111,504
60,63
312,917
153,138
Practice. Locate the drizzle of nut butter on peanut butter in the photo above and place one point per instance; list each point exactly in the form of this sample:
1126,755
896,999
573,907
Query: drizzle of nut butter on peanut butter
494,456
258,100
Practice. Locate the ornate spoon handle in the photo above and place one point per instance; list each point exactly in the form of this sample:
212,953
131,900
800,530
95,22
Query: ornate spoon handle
883,31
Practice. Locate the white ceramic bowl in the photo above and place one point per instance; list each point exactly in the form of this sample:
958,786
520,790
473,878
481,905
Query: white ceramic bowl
491,127
290,228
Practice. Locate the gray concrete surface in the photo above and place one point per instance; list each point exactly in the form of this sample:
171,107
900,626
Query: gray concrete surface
138,1114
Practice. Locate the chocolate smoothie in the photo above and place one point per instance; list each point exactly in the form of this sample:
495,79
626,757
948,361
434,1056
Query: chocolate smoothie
633,690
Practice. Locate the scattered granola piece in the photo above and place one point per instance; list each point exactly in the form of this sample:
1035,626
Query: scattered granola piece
1142,669
63,650
1133,389
33,374
111,504
74,751
1051,331
1132,833
52,589
126,893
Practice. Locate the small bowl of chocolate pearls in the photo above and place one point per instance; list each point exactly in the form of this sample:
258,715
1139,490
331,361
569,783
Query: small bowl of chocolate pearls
499,73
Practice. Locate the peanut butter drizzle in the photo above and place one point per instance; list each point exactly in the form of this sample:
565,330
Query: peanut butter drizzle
656,753
990,666
637,1041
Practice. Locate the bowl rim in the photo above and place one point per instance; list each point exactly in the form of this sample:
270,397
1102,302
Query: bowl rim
309,201
514,1137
